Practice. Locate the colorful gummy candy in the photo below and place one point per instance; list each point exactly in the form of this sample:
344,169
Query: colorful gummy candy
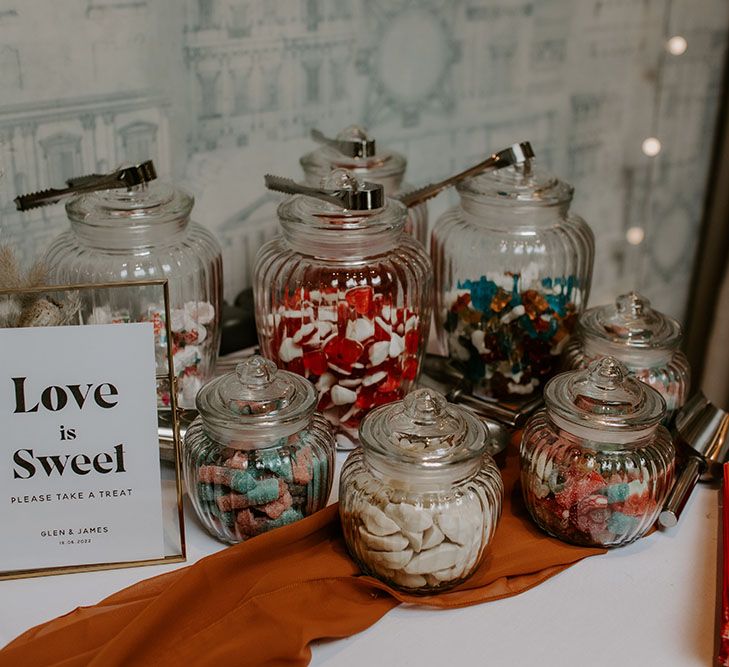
358,349
508,341
243,493
192,328
575,502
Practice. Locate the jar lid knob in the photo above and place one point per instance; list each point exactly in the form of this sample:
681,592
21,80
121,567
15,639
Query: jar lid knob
424,406
607,373
340,179
256,371
632,303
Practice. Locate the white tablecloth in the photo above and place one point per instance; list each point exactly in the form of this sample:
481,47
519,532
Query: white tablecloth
652,603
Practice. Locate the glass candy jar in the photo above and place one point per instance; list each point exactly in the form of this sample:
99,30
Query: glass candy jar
258,456
643,339
353,149
145,233
420,500
513,268
343,298
596,464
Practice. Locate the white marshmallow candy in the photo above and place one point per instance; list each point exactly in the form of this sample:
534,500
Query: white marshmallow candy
378,352
409,580
374,378
288,351
325,381
443,556
393,560
394,542
342,395
397,345
409,518
201,312
360,329
432,537
377,522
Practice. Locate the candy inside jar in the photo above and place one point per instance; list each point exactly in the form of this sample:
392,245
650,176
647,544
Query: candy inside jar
420,500
194,344
258,456
642,338
509,336
343,300
596,464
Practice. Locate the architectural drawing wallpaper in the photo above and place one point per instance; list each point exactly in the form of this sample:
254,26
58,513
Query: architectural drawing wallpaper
218,92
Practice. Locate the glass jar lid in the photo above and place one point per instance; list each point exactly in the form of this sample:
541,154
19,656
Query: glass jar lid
256,402
326,223
376,165
142,205
423,431
603,397
631,322
517,184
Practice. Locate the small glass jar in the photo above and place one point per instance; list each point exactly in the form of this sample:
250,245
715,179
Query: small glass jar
343,298
386,167
145,233
643,339
420,500
596,464
513,268
258,456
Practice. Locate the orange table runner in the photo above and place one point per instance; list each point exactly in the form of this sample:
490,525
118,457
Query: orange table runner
265,600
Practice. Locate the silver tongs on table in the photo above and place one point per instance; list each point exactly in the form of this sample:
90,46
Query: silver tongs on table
517,154
364,197
364,147
126,177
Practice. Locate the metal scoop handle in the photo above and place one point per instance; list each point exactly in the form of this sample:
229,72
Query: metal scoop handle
516,154
365,198
347,147
125,177
681,491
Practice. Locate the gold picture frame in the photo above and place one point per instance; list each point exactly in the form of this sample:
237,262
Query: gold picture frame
173,515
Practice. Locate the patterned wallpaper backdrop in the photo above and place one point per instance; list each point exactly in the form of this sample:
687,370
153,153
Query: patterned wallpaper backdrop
218,92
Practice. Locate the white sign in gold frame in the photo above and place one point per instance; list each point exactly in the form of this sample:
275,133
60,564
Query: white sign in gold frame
82,486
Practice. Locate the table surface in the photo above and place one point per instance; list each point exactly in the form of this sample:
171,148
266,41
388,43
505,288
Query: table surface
650,603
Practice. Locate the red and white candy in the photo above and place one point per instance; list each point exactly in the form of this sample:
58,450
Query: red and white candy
358,349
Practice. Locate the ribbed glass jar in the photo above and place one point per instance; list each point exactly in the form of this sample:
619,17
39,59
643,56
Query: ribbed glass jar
643,339
258,456
386,167
596,464
513,269
420,500
145,233
343,298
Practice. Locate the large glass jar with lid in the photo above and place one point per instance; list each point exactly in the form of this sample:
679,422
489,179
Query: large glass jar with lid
356,150
420,499
258,456
596,463
343,298
513,267
643,339
145,233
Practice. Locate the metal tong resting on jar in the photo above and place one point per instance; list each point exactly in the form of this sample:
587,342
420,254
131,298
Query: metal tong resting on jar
702,430
124,177
353,196
519,154
356,148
